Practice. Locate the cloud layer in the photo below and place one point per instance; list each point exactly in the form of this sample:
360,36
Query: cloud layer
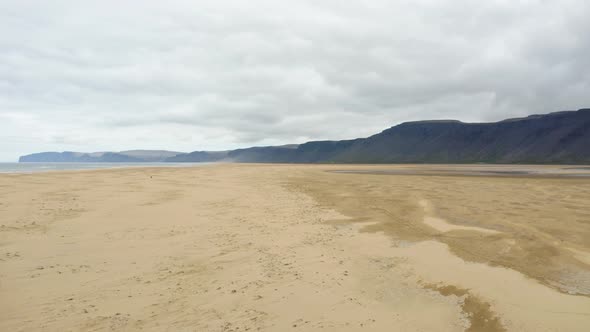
203,75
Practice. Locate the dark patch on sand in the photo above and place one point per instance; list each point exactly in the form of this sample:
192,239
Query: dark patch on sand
538,218
483,173
479,313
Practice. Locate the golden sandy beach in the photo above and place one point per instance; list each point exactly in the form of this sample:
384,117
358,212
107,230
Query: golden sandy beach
246,247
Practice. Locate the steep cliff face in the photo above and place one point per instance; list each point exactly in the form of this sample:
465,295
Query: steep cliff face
562,137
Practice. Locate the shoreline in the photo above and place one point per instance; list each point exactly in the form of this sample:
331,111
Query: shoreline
100,166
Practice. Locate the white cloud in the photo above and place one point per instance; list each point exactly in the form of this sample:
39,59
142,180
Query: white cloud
201,75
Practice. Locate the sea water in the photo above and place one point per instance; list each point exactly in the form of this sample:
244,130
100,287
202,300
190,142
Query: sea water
45,167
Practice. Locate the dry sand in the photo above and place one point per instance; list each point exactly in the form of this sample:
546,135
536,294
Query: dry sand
294,247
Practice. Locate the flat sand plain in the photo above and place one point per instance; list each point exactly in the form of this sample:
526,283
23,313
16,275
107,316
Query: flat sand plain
297,248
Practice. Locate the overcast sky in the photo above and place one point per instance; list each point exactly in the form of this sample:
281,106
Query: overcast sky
209,75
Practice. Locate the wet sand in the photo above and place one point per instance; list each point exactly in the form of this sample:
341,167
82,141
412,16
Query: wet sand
295,247
530,171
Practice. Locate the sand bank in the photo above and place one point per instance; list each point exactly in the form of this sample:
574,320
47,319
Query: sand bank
281,247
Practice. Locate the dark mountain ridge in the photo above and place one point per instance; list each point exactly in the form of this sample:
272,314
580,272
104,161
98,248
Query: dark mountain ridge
554,138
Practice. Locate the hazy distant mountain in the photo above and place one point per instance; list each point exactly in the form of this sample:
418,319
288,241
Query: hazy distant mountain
561,137
199,157
111,157
151,155
267,153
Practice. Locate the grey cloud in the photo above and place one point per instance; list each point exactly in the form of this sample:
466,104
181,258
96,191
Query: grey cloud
195,75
